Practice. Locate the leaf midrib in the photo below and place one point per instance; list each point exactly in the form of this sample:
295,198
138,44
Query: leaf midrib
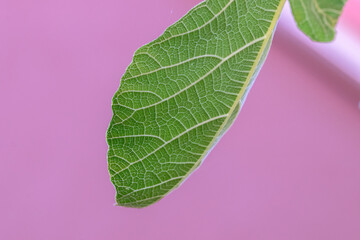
267,36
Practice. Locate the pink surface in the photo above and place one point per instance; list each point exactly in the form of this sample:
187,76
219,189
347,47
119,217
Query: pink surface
288,169
351,16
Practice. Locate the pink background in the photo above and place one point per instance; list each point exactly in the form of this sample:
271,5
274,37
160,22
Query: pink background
288,169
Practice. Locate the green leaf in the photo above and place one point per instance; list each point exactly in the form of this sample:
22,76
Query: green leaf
317,18
182,92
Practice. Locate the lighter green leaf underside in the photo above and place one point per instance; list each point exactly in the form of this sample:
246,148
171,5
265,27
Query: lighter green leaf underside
182,92
317,18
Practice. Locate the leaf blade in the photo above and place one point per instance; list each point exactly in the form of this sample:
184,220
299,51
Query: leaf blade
317,18
174,104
